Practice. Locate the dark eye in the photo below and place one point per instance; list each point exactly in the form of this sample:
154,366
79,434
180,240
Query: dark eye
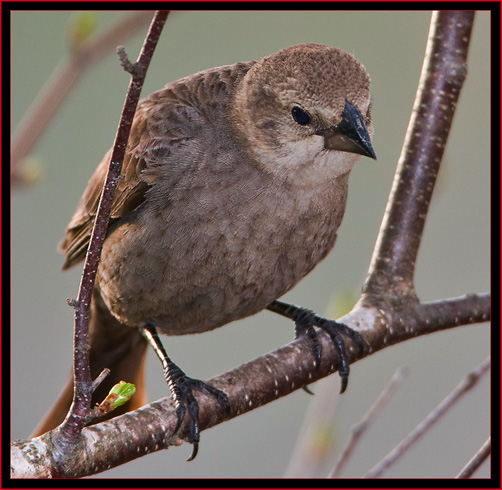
300,116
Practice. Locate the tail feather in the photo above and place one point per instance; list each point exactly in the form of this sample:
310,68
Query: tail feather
113,345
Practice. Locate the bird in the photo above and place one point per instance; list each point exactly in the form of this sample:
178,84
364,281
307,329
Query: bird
233,187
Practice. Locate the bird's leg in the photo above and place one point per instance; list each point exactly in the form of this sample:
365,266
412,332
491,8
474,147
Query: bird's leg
181,387
305,320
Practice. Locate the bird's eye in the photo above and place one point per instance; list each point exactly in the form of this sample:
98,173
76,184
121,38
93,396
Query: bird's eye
300,116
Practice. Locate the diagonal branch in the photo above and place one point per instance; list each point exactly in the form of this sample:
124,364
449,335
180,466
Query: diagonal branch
466,384
63,80
477,460
361,427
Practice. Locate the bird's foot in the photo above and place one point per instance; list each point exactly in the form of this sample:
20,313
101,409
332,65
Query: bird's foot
305,321
182,392
182,387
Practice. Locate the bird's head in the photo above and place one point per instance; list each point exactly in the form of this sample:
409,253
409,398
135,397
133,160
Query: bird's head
306,105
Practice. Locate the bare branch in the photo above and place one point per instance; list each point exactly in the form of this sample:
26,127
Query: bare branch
63,79
248,386
466,384
443,73
100,378
66,436
359,429
477,460
398,324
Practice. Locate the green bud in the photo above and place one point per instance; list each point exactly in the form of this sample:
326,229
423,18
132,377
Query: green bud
123,391
82,26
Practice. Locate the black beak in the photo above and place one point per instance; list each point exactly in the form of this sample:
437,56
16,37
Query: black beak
349,135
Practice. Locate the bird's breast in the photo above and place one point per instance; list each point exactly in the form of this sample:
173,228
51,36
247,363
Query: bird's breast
211,258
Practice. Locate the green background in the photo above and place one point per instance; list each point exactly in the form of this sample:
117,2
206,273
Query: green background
453,258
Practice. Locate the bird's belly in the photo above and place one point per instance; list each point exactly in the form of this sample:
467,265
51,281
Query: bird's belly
188,280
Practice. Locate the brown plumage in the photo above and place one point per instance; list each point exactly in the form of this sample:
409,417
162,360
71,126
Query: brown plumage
235,183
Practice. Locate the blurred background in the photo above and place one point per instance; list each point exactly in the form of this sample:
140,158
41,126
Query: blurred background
453,259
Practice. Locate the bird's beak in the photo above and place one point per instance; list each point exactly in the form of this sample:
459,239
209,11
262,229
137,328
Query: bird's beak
349,135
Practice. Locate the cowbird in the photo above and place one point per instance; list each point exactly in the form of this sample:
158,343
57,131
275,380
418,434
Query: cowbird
234,185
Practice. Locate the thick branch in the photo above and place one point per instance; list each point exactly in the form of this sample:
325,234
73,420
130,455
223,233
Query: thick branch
249,386
443,73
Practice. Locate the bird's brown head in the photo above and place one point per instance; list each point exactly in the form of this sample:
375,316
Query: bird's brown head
307,104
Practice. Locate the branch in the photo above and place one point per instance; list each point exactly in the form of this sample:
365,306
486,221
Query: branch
66,437
466,384
358,430
248,387
443,73
63,79
477,460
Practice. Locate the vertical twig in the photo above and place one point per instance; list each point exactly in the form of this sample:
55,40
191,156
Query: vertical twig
70,429
443,73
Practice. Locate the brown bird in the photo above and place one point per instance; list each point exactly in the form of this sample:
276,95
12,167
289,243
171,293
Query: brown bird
235,183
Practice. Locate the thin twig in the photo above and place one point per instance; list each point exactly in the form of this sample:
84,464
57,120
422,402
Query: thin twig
100,378
359,429
64,78
70,429
466,384
443,73
476,461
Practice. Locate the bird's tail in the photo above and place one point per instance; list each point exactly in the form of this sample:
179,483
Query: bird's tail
115,346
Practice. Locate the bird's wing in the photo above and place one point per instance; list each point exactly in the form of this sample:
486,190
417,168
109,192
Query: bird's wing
162,123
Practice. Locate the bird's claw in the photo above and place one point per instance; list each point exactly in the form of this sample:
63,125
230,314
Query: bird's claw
307,390
184,396
195,450
181,387
305,321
